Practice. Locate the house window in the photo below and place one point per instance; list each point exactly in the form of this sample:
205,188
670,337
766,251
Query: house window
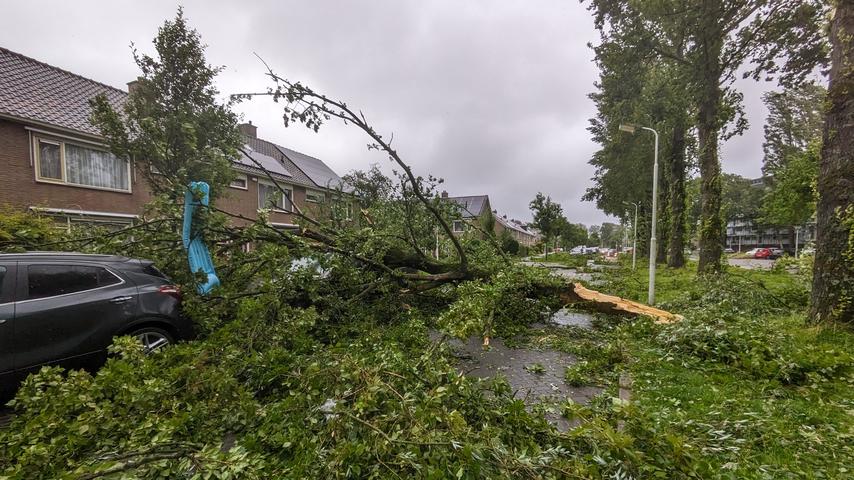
314,197
459,226
50,164
240,181
72,164
269,196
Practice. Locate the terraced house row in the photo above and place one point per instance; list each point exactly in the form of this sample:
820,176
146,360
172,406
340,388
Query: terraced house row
52,159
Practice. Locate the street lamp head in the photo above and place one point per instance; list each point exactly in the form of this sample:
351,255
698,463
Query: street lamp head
628,127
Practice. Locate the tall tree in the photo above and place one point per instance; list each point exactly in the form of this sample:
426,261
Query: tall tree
780,37
795,119
630,91
678,172
791,198
594,235
611,234
547,217
637,87
833,274
572,234
792,141
172,123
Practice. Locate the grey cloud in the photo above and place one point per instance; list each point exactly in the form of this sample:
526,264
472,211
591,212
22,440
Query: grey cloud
491,96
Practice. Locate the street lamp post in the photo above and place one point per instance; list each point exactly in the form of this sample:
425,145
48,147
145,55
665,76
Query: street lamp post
652,241
635,239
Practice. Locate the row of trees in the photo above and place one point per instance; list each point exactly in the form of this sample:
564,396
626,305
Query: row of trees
671,65
558,231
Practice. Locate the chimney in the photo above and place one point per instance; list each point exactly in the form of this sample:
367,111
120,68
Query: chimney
133,84
248,129
444,194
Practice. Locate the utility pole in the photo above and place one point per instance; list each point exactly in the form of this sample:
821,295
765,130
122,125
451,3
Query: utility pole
635,240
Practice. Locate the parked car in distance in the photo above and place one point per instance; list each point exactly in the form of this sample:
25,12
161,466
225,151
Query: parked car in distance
728,250
763,253
777,252
65,309
752,252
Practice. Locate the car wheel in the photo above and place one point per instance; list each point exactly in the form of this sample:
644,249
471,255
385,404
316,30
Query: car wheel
152,338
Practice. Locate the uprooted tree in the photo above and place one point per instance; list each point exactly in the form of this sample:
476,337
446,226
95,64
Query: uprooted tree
313,360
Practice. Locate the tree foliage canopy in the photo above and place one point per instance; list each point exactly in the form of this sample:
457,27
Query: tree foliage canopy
172,123
547,216
708,42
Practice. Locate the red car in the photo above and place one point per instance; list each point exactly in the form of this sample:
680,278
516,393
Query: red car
763,253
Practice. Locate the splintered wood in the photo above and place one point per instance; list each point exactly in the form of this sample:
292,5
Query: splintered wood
611,304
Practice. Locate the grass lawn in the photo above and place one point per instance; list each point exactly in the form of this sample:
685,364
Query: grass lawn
743,385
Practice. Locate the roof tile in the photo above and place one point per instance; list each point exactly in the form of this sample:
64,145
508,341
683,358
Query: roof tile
42,93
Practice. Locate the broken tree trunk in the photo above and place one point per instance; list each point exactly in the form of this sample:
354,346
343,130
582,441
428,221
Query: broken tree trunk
577,293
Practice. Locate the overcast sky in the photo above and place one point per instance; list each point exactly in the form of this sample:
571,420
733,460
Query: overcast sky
489,95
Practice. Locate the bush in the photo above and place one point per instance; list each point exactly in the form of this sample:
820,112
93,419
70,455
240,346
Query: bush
21,230
761,348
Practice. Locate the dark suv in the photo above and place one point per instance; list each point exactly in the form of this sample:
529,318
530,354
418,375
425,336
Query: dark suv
65,308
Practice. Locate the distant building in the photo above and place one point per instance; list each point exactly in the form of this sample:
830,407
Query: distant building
477,208
743,233
522,233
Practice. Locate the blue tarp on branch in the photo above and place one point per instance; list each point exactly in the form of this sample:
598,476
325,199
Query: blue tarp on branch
197,252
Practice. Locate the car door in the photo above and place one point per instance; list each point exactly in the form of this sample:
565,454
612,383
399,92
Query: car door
66,313
7,317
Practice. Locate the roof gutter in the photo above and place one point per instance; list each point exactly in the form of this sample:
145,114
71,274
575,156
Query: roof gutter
77,133
90,213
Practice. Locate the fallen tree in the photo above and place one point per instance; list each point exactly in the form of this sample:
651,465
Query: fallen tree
313,359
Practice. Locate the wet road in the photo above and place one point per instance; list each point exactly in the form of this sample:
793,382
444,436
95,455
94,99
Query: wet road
751,263
534,375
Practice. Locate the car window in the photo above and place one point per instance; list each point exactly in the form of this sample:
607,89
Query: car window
2,277
51,280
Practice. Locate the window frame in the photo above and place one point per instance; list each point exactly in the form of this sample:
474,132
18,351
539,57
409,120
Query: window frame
240,176
321,197
273,185
24,279
38,139
454,226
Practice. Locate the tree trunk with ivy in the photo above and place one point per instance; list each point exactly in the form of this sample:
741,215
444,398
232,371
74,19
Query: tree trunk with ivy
708,120
676,254
833,274
663,232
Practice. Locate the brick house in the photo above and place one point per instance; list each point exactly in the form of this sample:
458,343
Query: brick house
53,159
477,208
525,235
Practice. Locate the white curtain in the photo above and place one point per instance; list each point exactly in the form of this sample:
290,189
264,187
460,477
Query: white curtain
49,165
96,168
269,196
288,203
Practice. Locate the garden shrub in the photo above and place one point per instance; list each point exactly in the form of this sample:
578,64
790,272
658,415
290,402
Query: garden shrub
22,230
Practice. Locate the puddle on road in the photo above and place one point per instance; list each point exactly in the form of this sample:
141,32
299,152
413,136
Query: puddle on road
569,318
572,274
535,376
